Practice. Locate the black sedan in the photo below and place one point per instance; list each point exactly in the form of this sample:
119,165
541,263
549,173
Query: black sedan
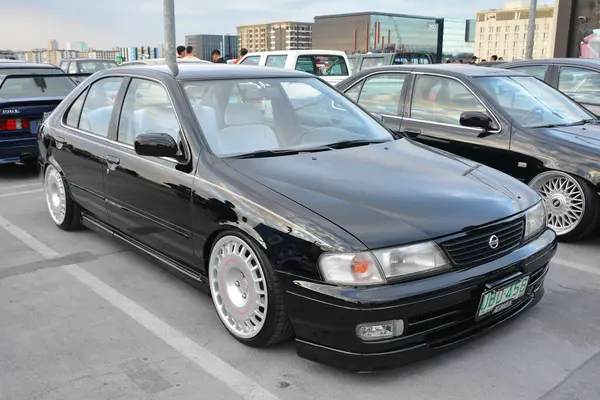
502,118
297,210
578,78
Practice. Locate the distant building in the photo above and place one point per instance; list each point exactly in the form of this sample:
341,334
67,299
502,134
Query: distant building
100,54
52,45
458,37
504,32
375,32
205,44
130,53
286,35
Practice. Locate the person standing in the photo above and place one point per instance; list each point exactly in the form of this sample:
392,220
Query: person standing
216,56
180,51
243,52
189,53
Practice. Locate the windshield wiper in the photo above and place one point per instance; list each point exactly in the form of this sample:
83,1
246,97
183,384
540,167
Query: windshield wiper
353,143
281,152
582,122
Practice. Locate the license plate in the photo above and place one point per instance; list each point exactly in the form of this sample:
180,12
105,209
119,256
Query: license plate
496,300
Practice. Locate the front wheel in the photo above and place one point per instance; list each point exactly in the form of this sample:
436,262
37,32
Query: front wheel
248,296
64,211
573,205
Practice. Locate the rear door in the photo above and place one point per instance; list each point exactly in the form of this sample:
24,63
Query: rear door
80,142
381,94
433,114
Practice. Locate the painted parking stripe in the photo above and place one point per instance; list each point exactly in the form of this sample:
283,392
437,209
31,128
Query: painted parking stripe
11,187
575,265
204,359
21,193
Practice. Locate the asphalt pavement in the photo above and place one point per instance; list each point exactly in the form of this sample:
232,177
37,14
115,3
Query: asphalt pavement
82,317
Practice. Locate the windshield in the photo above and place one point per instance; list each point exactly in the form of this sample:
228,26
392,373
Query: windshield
531,102
50,83
251,115
89,67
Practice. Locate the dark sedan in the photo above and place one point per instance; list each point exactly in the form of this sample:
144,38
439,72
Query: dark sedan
297,210
505,119
578,78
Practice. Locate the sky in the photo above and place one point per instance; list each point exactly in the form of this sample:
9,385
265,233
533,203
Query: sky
103,24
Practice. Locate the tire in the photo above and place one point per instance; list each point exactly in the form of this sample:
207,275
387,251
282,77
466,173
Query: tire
572,203
65,213
247,294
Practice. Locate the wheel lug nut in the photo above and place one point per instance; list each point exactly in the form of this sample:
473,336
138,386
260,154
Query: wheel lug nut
237,283
243,295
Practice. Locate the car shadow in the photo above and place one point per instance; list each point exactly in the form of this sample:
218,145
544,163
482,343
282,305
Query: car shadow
19,171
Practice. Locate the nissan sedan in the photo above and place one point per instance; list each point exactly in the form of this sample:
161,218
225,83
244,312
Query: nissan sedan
299,213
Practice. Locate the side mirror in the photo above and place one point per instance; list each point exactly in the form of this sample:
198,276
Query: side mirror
155,145
476,119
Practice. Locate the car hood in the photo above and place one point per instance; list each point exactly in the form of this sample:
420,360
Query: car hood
589,133
392,193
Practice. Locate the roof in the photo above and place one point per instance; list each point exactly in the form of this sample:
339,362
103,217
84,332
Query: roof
26,65
300,52
210,71
358,14
587,62
156,61
87,59
458,70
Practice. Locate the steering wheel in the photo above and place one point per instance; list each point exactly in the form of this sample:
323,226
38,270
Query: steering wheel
531,113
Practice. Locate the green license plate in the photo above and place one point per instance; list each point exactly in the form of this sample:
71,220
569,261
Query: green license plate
496,300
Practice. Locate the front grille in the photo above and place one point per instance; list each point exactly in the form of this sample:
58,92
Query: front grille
474,248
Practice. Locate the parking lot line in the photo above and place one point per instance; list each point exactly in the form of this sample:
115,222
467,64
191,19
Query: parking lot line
11,187
575,265
21,193
204,359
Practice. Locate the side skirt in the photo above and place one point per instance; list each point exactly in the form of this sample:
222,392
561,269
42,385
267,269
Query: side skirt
181,271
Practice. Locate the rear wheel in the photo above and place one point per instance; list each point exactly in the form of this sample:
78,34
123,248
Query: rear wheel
573,205
63,210
248,296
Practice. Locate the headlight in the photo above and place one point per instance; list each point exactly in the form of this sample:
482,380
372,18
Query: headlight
350,269
535,220
373,268
408,261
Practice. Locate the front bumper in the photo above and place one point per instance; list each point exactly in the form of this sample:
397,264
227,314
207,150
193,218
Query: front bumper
438,312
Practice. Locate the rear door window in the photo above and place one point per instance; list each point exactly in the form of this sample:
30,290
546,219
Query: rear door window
98,106
322,65
276,61
381,93
252,60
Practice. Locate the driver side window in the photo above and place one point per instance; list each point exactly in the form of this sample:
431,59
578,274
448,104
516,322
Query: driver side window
442,100
146,109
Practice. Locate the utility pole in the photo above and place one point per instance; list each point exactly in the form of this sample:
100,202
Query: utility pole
531,30
170,46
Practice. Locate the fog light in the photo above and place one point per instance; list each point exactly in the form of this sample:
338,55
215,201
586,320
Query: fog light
380,330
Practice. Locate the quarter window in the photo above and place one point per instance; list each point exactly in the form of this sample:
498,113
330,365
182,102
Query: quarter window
147,109
381,93
582,85
539,71
442,100
74,112
98,106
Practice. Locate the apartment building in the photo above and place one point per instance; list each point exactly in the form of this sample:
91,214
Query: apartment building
287,35
504,32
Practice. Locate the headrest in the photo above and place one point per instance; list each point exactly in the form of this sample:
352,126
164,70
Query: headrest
243,114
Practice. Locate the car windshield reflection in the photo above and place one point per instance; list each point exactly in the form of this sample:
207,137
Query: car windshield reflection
264,116
533,103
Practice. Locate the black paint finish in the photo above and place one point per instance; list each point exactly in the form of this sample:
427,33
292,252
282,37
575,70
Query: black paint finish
295,208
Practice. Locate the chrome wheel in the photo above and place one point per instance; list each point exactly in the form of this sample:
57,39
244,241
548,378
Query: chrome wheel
56,197
564,199
238,287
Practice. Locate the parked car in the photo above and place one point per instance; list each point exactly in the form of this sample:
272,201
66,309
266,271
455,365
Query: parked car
80,68
158,61
501,118
27,92
330,65
309,221
578,78
360,62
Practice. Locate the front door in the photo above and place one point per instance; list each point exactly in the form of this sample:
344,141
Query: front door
434,111
149,198
380,94
81,144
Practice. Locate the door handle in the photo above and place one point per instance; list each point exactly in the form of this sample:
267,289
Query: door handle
60,142
111,163
412,132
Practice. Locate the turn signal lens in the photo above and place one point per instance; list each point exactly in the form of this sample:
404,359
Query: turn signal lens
350,269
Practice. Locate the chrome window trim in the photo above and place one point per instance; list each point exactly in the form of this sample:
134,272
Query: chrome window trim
492,115
108,140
